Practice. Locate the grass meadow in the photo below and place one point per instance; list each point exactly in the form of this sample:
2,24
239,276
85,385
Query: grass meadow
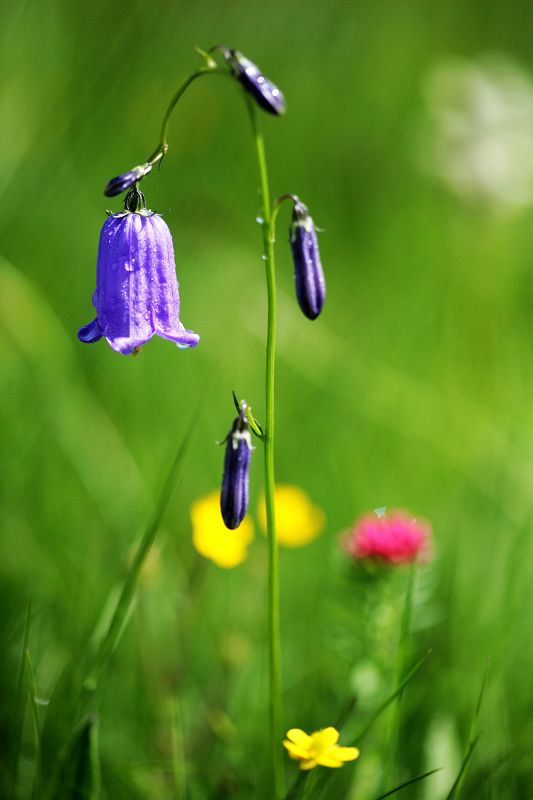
409,133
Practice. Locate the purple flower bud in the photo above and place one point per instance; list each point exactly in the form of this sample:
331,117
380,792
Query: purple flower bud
264,92
234,493
136,286
308,273
122,182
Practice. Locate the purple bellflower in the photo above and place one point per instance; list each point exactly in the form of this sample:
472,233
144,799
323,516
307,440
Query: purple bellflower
235,478
308,273
265,93
136,286
126,180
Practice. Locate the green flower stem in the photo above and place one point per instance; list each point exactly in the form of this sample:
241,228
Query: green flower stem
273,556
401,661
162,147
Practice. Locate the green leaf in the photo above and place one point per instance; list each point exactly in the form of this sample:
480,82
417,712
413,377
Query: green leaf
390,699
32,691
473,738
408,783
20,702
78,777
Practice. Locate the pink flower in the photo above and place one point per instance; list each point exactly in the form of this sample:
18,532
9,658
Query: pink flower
394,536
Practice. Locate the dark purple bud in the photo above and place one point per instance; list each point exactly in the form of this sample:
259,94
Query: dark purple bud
308,273
265,93
122,182
234,493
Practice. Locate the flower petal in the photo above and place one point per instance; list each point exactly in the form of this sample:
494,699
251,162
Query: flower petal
165,289
327,760
345,753
90,333
137,291
299,737
327,736
123,284
295,751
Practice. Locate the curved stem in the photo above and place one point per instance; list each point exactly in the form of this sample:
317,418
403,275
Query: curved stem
273,558
162,147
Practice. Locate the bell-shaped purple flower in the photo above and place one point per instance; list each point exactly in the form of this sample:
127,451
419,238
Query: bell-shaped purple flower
265,93
136,286
126,180
235,478
308,273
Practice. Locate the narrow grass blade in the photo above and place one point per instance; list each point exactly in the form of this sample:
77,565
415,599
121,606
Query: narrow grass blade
473,737
407,783
392,697
20,702
79,776
178,756
76,774
80,678
455,791
122,609
32,691
488,771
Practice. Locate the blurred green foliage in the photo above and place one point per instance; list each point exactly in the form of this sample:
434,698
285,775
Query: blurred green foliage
413,389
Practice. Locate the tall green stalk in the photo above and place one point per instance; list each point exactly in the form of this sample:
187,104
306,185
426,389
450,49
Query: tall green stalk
113,632
273,556
402,658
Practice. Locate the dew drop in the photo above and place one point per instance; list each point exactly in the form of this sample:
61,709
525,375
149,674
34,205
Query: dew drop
259,220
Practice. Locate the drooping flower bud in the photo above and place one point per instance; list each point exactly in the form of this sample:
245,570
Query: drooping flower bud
308,273
122,182
235,478
137,292
265,93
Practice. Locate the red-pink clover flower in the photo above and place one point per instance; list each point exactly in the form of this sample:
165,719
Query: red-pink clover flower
394,536
137,292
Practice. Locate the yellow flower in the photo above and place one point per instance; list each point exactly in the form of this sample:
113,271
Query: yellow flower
298,521
212,539
320,748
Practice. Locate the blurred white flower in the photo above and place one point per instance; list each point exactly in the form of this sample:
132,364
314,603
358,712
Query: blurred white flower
480,134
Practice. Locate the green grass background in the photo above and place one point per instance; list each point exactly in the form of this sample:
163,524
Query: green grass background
413,389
